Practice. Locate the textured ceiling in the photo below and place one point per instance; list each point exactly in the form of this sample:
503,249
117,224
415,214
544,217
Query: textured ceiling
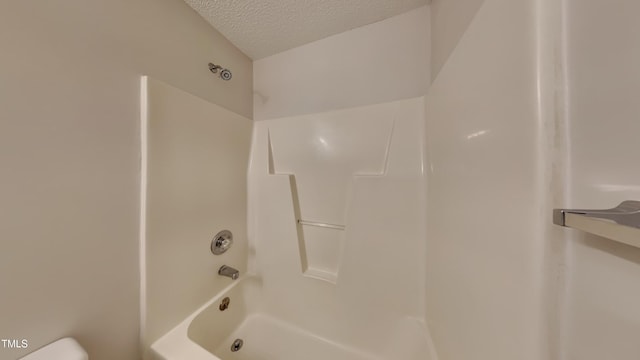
265,27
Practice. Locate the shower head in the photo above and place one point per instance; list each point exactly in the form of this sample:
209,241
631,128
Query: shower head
225,74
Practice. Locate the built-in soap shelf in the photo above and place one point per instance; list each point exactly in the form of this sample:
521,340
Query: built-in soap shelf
321,224
334,232
621,223
320,244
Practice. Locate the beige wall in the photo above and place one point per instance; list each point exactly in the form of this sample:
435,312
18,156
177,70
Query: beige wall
69,154
449,20
381,62
196,185
603,317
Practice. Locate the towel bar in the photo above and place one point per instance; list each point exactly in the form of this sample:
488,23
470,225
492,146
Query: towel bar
621,223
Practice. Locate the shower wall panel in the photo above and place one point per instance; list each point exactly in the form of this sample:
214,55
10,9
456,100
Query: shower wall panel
604,85
362,170
486,192
196,155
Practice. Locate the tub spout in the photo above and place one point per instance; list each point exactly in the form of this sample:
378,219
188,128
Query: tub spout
228,271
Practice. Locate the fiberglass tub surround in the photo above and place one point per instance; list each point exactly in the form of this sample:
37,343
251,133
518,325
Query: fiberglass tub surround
186,201
333,223
336,200
359,168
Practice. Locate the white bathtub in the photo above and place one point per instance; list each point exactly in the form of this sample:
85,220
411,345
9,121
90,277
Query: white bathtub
208,333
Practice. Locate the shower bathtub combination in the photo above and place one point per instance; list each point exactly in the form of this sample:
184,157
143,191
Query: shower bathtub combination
330,208
412,229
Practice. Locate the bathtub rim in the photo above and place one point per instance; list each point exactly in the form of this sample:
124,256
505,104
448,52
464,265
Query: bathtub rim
176,344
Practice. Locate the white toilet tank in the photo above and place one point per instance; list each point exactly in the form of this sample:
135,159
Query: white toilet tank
63,349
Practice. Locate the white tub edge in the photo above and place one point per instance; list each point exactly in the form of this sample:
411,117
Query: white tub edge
176,345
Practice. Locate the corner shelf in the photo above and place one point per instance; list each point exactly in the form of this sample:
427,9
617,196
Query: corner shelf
621,223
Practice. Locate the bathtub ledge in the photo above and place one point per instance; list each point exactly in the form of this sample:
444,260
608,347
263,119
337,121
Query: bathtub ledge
176,345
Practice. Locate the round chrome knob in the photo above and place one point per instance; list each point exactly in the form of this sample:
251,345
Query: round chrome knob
221,242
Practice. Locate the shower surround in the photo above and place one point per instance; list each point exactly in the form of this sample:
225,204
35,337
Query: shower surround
354,290
361,169
419,227
336,203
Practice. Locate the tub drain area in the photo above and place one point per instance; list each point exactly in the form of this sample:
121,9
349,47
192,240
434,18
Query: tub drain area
237,345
